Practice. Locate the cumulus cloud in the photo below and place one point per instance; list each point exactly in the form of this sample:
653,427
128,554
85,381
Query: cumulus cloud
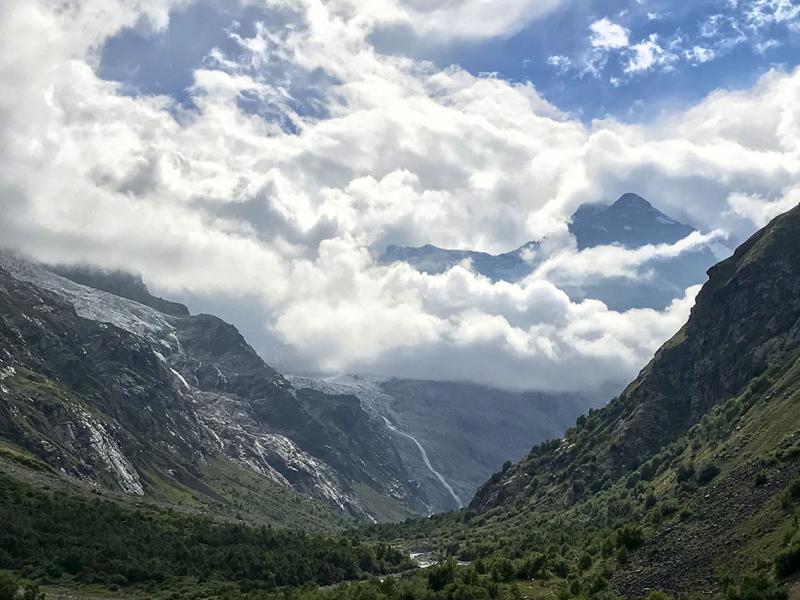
649,54
699,54
226,201
606,34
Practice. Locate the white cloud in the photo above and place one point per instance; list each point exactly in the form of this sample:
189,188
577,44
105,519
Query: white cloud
569,267
649,54
761,210
225,204
476,18
759,25
608,35
561,63
699,54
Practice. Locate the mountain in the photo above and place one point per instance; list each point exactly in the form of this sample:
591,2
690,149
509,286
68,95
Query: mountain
688,482
743,331
452,436
511,266
631,221
178,408
207,404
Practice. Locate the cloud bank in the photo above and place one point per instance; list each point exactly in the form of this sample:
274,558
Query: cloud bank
256,199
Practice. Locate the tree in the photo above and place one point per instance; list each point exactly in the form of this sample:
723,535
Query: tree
31,592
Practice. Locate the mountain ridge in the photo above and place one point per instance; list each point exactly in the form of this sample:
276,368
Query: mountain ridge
168,394
631,222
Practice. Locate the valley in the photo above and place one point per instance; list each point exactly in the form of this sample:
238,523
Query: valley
399,300
687,482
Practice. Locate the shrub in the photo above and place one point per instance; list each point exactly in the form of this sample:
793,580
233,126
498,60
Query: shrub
560,568
707,473
584,562
668,507
9,586
755,587
532,566
441,575
630,536
659,595
31,592
791,492
685,472
787,562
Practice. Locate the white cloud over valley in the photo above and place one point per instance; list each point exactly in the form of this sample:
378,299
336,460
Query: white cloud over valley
287,214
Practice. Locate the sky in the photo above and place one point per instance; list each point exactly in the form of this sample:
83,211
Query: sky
254,158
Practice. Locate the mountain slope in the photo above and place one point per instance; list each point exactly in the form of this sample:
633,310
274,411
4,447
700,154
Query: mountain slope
689,481
746,319
631,221
177,408
122,284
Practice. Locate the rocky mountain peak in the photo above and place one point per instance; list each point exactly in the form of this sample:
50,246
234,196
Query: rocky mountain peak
631,200
631,221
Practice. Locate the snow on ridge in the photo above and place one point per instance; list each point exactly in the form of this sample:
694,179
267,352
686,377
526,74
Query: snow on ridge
90,303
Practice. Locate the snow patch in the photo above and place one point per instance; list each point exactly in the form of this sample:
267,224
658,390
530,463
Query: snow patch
93,304
180,377
107,450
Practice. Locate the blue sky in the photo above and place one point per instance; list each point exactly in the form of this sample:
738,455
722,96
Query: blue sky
595,84
695,48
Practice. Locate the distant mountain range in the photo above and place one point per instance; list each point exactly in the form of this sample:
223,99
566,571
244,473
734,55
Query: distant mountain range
631,222
452,436
200,407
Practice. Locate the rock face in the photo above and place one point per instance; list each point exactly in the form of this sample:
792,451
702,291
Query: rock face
631,222
122,394
746,319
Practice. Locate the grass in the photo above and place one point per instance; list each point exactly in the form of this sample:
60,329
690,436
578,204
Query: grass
17,455
384,508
